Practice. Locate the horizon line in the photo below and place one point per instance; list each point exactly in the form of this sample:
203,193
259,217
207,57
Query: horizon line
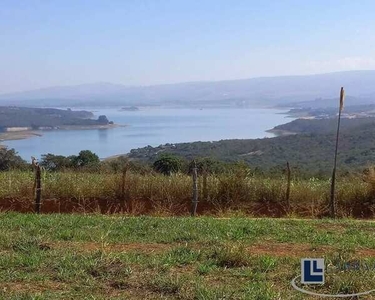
181,82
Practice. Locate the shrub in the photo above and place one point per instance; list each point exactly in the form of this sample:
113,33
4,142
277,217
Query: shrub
53,162
10,160
85,158
168,164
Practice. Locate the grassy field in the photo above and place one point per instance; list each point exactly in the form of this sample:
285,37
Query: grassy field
156,194
113,257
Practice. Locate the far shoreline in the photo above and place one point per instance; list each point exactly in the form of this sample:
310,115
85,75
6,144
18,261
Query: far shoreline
26,134
281,132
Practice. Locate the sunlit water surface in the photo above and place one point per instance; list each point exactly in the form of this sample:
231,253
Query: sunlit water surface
153,127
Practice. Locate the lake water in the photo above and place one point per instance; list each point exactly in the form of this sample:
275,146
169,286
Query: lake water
153,127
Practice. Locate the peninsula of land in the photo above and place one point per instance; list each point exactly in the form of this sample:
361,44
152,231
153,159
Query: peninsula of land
23,122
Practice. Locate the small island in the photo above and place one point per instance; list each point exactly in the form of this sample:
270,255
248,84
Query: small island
24,122
129,108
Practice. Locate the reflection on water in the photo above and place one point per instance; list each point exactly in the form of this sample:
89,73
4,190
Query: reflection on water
154,127
103,135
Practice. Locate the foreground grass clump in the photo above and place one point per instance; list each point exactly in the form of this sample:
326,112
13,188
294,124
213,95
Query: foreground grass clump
157,194
112,257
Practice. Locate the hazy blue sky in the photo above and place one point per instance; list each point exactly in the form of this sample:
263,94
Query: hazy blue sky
136,42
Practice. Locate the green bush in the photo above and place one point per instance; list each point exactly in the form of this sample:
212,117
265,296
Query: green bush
168,164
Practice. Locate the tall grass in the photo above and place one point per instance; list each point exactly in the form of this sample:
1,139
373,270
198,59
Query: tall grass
171,195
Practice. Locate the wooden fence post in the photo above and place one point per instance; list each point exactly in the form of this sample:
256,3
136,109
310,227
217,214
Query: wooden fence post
195,191
332,204
37,185
288,186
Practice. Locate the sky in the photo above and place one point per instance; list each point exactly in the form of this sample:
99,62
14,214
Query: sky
139,42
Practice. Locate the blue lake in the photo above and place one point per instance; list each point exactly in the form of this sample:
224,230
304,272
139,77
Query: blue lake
153,127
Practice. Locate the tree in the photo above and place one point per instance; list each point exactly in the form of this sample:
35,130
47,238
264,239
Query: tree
53,162
208,165
85,158
117,164
103,120
168,164
10,160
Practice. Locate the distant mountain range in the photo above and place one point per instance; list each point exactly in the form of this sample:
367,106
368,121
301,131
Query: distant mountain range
262,91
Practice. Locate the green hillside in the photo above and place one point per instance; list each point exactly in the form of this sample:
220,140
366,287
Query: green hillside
310,152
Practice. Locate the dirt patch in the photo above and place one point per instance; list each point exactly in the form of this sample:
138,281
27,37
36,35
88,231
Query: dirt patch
143,206
301,250
94,246
337,228
32,287
288,250
365,252
267,248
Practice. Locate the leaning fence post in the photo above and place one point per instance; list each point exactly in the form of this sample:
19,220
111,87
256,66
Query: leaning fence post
37,185
288,186
332,208
195,191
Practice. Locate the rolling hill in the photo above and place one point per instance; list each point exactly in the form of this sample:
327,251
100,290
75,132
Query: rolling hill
310,151
262,91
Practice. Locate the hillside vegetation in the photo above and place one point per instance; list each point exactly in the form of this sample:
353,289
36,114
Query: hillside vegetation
329,125
46,117
310,154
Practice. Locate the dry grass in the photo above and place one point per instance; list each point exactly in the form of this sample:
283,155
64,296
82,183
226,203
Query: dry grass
171,195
